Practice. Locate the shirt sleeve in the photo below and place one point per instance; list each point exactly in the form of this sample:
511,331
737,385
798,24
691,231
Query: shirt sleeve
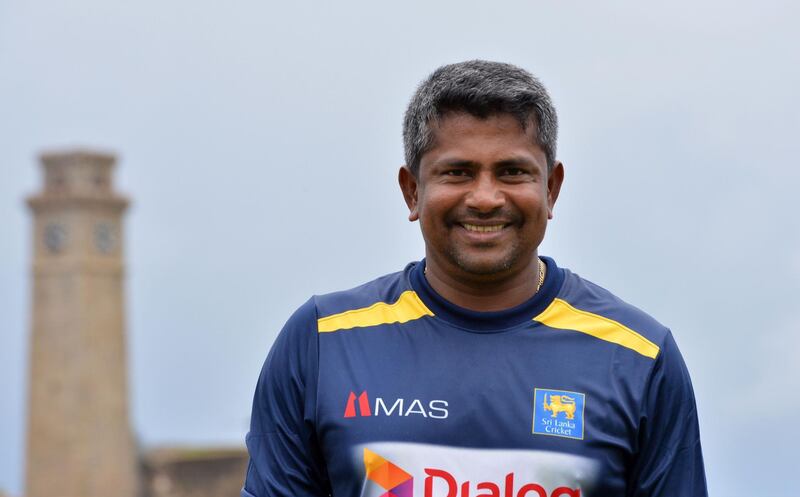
669,460
285,459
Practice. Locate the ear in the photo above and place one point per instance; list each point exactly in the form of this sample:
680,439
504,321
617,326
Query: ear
409,186
554,181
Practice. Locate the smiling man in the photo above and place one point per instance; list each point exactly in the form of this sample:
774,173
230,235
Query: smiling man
483,194
485,369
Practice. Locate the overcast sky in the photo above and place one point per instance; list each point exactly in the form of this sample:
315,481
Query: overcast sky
260,144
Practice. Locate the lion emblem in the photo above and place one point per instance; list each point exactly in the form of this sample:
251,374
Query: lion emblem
560,403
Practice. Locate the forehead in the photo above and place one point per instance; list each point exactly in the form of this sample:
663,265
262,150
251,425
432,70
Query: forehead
461,121
497,137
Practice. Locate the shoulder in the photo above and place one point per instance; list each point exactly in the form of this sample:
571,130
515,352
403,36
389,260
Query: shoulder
387,288
385,300
389,297
590,308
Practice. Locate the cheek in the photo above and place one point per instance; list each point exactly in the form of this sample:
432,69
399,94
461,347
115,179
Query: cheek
436,204
536,211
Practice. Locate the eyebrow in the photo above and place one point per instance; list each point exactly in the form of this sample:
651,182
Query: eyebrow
508,162
455,163
515,161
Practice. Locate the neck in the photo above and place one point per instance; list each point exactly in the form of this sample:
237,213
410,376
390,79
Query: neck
485,293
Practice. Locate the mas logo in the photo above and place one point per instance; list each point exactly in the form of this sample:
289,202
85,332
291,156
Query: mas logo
360,406
395,481
363,405
558,413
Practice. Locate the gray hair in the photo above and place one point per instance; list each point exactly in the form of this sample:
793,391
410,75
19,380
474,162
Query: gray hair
481,88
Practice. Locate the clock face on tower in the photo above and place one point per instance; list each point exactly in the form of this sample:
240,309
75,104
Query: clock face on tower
105,237
55,237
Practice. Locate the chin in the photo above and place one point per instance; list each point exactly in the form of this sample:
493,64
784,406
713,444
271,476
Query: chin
484,265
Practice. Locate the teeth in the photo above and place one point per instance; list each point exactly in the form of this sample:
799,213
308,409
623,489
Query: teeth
483,229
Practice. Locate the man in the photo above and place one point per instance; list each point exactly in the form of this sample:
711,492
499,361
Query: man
484,369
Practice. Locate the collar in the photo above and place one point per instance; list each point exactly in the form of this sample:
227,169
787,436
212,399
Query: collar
487,321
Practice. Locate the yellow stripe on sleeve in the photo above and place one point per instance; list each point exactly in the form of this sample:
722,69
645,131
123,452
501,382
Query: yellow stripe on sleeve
407,308
559,314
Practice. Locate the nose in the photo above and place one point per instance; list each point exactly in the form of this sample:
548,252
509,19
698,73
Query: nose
486,194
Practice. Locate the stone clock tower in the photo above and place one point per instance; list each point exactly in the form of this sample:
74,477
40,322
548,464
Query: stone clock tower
79,438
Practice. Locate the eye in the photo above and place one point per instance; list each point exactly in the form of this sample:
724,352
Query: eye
456,172
513,171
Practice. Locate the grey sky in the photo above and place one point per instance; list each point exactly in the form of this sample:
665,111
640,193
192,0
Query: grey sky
260,145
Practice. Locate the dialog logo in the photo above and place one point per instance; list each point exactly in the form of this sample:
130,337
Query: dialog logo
558,413
396,469
391,478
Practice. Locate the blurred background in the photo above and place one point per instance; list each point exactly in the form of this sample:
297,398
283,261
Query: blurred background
259,144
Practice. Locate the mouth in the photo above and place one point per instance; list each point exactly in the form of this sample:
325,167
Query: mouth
488,228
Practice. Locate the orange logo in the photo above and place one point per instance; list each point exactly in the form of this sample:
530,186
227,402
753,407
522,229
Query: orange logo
391,478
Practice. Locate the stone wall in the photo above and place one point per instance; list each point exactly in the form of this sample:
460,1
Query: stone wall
194,472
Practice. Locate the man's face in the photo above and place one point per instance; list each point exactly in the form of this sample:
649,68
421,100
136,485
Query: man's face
482,195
